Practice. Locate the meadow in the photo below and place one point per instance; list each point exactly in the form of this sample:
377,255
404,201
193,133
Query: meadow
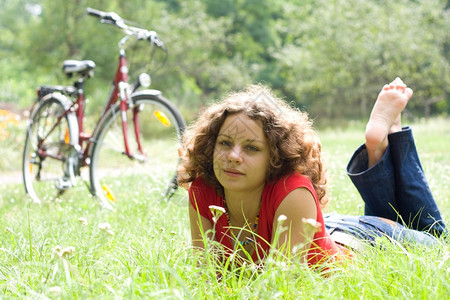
73,248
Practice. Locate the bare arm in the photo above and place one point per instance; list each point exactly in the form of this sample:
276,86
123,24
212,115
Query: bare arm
199,226
297,205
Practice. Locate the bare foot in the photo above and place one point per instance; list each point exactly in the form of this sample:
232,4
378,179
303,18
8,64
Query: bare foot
385,118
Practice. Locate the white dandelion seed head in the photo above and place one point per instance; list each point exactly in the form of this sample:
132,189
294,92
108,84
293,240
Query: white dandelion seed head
104,226
281,218
311,226
67,251
217,212
218,209
83,221
57,249
55,290
311,222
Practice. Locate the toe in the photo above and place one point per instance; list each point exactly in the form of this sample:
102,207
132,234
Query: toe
401,87
408,92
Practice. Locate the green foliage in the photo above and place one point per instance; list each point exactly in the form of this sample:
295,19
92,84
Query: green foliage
330,57
341,52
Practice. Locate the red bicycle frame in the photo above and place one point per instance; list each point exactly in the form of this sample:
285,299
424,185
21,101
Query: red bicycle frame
119,89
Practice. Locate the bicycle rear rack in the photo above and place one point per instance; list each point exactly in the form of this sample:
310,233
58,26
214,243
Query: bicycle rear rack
44,90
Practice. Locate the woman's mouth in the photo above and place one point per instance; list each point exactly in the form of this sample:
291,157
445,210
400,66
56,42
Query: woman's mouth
233,172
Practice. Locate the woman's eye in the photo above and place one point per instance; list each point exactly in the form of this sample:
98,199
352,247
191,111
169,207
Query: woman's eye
225,143
252,148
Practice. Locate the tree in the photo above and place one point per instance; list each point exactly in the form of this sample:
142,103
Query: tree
331,57
339,53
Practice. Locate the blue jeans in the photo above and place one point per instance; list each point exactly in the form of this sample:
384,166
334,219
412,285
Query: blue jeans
393,190
369,228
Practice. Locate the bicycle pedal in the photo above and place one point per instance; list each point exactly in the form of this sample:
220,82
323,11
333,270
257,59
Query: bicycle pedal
63,184
140,158
171,188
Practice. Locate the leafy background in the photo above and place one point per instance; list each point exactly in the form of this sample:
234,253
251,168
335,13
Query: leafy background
328,57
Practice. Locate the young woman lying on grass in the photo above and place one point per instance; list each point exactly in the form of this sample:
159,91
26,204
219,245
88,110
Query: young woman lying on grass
260,161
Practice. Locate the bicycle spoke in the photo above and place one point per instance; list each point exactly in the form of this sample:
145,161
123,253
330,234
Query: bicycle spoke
116,178
143,163
46,150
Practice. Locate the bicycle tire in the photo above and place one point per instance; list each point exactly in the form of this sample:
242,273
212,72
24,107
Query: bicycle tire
44,164
115,176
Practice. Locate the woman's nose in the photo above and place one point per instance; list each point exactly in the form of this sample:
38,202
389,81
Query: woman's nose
235,154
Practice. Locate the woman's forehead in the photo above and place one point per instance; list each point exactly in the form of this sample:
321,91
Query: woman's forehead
242,127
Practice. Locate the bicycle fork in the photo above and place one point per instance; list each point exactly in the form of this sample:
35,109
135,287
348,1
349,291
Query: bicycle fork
125,104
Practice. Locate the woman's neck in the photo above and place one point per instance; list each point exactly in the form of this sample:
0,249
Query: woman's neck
243,207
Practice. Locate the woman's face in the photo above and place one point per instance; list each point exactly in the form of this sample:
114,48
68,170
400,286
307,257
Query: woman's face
241,154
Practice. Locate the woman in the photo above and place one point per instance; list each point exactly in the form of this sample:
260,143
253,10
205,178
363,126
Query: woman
260,160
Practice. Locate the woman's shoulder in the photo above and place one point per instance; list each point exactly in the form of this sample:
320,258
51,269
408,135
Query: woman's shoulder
199,187
277,190
198,182
290,182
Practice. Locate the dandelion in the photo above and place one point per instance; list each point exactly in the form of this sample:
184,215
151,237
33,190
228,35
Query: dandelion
57,250
62,252
55,290
104,226
217,212
281,219
311,226
67,251
83,221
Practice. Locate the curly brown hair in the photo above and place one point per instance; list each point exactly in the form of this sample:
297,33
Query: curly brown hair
293,143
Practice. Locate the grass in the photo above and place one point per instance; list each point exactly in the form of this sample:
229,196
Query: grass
146,253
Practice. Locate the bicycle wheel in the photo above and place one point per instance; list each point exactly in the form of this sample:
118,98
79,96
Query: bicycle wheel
117,177
46,151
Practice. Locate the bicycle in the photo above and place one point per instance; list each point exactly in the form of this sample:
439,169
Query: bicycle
135,137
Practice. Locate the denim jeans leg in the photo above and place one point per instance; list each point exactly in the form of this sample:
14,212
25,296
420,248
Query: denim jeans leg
414,199
376,184
369,228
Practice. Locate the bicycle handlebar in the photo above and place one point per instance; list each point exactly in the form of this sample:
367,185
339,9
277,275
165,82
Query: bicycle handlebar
139,33
111,16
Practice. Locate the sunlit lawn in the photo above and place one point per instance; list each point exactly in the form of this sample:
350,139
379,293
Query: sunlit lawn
64,248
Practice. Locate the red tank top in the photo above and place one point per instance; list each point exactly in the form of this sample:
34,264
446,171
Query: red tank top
322,249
